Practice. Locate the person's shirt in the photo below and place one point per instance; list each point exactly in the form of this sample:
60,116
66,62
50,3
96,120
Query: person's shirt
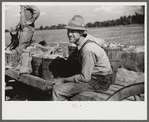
29,13
93,60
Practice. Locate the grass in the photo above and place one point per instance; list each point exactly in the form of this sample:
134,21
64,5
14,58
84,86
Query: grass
121,34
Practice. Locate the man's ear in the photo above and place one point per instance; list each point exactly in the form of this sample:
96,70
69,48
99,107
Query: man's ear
84,33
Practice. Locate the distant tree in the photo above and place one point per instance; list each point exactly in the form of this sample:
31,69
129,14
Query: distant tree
60,26
89,25
105,23
47,28
53,27
130,19
96,24
117,22
41,27
112,23
138,18
64,25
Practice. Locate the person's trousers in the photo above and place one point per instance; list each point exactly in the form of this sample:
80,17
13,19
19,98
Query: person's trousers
65,91
25,38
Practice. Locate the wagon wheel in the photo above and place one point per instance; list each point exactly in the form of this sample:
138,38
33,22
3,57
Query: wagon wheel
127,91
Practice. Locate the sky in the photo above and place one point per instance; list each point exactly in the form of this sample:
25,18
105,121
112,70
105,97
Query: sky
61,13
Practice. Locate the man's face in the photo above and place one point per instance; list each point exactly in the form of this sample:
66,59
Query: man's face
73,35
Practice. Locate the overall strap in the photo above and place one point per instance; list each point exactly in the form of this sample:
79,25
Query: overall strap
88,41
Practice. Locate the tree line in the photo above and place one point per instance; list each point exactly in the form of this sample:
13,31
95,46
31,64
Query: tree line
123,20
53,27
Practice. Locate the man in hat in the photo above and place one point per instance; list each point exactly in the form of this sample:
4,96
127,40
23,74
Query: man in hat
96,71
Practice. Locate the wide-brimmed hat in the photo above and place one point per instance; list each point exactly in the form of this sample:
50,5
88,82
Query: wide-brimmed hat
76,23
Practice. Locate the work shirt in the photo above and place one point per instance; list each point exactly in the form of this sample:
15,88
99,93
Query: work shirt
93,61
29,13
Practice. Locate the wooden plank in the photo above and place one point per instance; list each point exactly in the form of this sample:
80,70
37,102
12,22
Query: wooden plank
29,79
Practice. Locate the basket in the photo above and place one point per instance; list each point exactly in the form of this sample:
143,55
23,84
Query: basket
11,59
8,58
114,55
37,66
46,73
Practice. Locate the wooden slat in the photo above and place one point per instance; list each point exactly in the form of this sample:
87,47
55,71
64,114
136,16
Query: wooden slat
29,79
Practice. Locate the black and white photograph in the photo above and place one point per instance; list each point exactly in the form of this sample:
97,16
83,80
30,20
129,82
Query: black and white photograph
74,60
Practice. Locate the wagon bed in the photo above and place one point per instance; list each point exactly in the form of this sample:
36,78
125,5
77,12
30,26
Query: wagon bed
116,92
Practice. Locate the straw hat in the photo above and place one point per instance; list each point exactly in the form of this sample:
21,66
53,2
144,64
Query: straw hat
76,23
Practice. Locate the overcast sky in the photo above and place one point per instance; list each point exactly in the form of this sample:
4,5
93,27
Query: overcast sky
58,13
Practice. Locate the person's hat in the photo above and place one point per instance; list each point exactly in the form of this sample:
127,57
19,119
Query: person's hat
76,23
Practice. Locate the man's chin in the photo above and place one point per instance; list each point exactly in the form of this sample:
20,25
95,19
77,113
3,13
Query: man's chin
71,41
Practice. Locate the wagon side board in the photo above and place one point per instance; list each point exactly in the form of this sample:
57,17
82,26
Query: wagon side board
114,93
29,79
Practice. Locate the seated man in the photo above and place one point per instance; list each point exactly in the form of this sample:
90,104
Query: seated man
96,71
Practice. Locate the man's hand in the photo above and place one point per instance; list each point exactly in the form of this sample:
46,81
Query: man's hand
58,81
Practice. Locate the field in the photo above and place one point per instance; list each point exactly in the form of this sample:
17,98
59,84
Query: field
128,35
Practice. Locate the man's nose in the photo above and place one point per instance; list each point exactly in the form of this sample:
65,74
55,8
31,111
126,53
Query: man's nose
70,34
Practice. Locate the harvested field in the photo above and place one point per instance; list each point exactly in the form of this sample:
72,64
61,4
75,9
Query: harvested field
133,35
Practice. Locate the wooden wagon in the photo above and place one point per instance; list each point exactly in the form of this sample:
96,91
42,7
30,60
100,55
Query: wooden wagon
116,92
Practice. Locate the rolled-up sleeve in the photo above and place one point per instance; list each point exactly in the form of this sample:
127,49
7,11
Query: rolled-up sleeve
35,12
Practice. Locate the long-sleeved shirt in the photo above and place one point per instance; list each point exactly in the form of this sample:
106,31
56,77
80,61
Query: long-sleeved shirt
93,60
29,13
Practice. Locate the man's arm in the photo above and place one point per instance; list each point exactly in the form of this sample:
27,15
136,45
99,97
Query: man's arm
88,63
35,13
